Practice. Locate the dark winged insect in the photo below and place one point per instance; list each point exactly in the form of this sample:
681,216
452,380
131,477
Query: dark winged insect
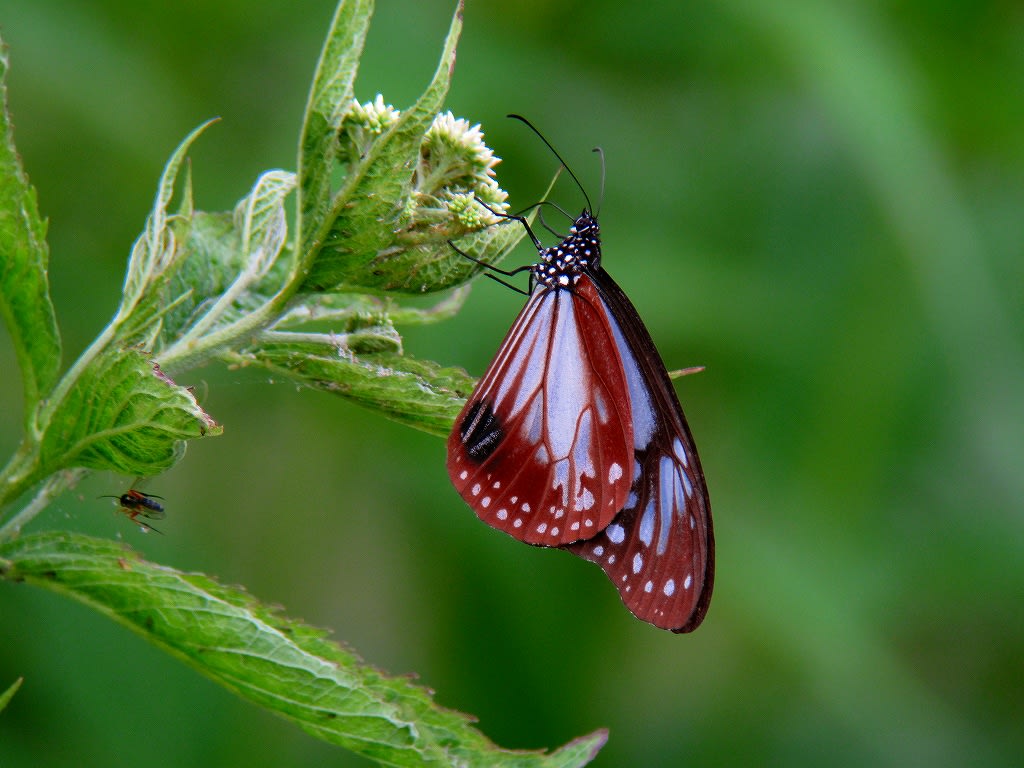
574,437
136,504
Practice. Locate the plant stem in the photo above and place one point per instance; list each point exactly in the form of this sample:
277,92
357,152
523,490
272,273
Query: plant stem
20,472
185,354
54,486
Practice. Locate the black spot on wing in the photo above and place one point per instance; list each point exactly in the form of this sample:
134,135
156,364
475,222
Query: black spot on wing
481,431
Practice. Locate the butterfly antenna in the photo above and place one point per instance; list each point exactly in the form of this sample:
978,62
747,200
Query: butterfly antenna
532,127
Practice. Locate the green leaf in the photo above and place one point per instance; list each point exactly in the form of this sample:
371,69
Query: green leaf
123,414
260,217
155,258
24,289
282,665
214,261
358,247
328,100
228,258
6,696
418,393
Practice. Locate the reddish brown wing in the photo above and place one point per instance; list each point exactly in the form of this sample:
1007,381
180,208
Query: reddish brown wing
659,551
543,449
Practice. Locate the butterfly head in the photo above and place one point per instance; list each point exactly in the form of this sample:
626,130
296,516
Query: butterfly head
561,265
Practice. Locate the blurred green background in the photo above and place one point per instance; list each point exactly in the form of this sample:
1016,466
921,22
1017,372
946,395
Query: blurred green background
820,202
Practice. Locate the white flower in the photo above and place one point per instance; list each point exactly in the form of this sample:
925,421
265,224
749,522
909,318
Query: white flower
454,160
470,213
456,134
374,116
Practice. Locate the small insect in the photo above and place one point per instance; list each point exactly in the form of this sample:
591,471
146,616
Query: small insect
136,504
574,437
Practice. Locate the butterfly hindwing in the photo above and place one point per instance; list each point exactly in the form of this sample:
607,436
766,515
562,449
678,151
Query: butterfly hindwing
543,449
659,550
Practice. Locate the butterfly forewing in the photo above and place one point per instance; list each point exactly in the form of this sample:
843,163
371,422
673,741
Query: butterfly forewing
659,550
543,448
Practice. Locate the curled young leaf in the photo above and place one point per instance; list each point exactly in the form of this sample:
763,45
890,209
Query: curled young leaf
229,258
156,256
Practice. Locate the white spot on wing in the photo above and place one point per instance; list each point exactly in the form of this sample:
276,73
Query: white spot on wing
647,524
614,472
502,514
561,480
689,581
601,407
641,408
616,533
638,562
677,449
670,588
667,480
476,490
566,401
582,445
533,420
687,484
586,501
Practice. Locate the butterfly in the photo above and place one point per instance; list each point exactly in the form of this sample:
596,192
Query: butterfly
136,504
574,437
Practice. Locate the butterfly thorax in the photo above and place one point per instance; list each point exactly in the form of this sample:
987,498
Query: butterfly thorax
561,265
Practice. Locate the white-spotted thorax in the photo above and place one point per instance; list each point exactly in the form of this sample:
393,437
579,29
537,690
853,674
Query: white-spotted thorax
561,265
